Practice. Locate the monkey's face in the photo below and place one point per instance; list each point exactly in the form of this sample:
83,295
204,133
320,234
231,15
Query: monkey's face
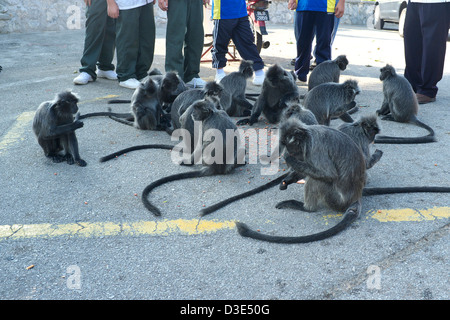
294,140
386,72
68,106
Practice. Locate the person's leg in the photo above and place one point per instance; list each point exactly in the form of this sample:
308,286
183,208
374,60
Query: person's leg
222,32
175,34
413,42
324,30
147,34
243,38
434,19
96,22
109,46
305,29
127,40
194,40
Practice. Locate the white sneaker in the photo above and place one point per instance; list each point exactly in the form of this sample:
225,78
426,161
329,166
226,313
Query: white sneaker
130,83
109,74
196,83
83,78
258,80
219,76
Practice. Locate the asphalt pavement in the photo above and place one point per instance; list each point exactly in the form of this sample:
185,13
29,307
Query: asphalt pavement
68,232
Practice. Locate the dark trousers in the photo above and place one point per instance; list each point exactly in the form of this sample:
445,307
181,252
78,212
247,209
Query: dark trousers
184,41
99,40
425,41
308,24
240,32
135,40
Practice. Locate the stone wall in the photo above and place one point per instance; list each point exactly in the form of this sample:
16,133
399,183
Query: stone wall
56,15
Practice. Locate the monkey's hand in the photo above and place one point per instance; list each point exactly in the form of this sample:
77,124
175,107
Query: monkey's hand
78,124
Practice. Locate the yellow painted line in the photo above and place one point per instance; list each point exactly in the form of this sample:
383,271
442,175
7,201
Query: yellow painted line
16,132
101,229
183,226
99,98
22,123
404,215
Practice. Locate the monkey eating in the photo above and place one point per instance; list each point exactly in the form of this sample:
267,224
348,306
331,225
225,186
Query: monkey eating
400,105
216,157
334,168
54,125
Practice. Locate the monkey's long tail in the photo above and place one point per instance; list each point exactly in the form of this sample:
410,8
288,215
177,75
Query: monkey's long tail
350,215
226,202
119,101
379,191
407,140
140,147
105,114
157,183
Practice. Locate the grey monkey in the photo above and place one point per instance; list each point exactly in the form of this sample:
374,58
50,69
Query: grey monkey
278,87
400,104
236,83
295,110
335,172
206,111
54,125
327,71
363,132
330,100
145,108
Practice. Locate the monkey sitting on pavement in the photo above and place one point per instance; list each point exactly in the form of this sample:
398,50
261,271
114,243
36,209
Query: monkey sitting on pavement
335,172
54,125
145,108
329,100
236,83
213,121
327,71
278,87
400,104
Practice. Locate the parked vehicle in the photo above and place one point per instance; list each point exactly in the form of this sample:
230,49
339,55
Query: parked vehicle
390,11
257,11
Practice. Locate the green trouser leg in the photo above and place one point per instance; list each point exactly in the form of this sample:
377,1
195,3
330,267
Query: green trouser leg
100,39
135,40
184,28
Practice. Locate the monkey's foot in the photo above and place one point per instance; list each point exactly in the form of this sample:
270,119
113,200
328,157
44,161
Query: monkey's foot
81,163
243,122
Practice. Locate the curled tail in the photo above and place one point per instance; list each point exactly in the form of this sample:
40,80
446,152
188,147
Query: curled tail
157,183
134,148
226,202
350,216
377,191
406,140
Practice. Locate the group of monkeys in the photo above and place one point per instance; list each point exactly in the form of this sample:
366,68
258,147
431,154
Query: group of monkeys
333,162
